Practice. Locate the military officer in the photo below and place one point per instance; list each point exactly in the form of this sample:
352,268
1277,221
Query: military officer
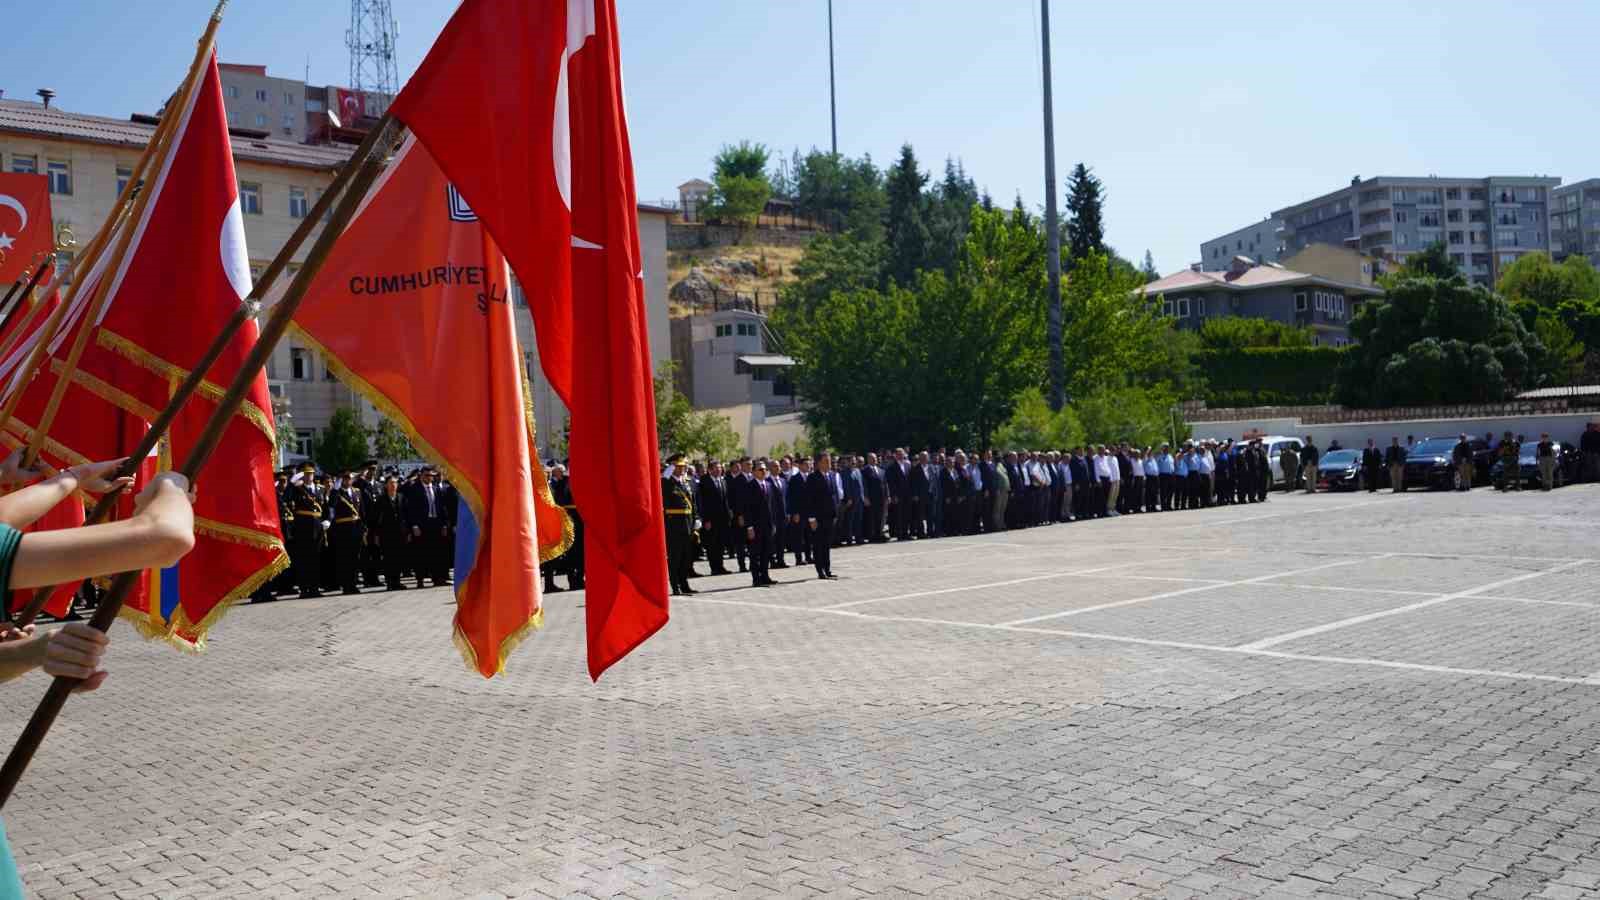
306,535
678,499
344,514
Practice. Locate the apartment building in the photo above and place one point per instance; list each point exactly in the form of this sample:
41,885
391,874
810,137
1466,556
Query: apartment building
1261,242
1265,291
1484,223
260,102
1575,221
89,160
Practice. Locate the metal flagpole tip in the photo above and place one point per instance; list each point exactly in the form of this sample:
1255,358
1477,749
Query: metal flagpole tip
216,14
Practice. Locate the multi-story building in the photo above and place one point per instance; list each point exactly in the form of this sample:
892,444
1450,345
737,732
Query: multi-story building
260,102
1575,221
1484,223
1260,242
1265,291
90,158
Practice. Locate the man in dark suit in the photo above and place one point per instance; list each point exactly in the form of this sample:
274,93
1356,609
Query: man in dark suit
738,480
716,516
799,536
873,492
824,493
919,494
426,515
850,474
387,520
897,478
780,501
1371,466
756,509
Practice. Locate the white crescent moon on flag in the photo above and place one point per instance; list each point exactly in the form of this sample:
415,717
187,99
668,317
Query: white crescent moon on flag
14,203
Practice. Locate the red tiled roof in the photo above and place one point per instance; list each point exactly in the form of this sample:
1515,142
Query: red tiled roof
22,117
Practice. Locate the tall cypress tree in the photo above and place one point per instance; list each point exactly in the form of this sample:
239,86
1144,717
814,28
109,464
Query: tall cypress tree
905,225
1086,231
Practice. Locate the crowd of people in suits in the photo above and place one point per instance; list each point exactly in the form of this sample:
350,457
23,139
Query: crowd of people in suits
755,512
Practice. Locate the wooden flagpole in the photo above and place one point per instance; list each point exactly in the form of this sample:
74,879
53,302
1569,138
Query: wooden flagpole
191,382
277,324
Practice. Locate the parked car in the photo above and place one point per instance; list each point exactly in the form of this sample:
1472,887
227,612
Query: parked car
1568,463
1429,464
1340,470
1275,444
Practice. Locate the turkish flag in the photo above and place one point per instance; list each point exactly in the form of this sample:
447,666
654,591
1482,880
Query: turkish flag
542,157
26,228
185,271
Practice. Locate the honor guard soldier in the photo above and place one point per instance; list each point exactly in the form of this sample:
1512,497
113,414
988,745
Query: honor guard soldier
678,498
345,513
306,536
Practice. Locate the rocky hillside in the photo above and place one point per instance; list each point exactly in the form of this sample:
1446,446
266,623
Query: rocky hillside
699,277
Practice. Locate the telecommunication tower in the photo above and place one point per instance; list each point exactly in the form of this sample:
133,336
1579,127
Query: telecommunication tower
371,40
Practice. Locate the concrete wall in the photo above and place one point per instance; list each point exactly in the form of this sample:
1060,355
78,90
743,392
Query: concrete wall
759,433
1562,426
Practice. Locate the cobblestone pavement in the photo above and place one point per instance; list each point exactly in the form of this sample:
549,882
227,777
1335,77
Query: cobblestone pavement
1350,695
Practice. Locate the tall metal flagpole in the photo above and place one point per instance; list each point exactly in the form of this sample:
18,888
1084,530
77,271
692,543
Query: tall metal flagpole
1052,227
833,106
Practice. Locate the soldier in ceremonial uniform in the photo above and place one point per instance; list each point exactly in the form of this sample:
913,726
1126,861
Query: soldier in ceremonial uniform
570,562
345,513
678,499
306,534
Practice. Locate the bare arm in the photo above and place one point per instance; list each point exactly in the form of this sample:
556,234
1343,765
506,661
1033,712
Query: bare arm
25,506
158,535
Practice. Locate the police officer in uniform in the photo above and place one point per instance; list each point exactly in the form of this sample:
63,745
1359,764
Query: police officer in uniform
306,535
345,513
678,499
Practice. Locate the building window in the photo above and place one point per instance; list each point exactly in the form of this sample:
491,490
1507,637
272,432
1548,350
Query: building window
327,373
1401,239
1530,195
288,122
24,164
261,120
1183,307
724,331
124,175
1401,195
1300,301
1429,196
1457,237
1429,220
288,99
297,203
60,175
1507,238
250,198
1166,307
304,438
299,365
1507,259
233,92
1199,306
261,95
1459,259
1452,193
1401,215
1452,215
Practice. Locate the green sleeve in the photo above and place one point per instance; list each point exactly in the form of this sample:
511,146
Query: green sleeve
10,540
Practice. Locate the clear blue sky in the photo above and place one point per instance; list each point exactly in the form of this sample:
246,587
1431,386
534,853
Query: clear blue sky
1200,117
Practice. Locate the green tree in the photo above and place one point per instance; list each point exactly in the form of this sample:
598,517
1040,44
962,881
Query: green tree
905,224
739,186
950,216
1034,426
389,442
843,194
1086,232
342,446
1433,340
1235,332
1148,269
1534,278
1139,415
680,428
831,263
1563,358
1430,262
1111,333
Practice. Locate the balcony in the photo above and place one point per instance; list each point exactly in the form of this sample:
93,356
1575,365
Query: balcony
1381,226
